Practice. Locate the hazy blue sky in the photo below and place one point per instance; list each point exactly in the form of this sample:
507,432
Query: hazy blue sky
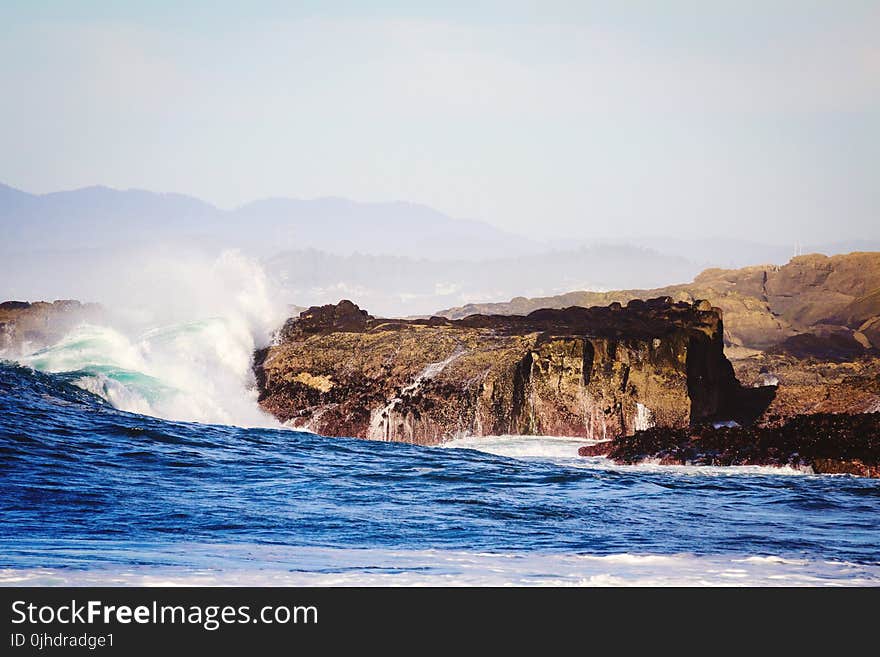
585,119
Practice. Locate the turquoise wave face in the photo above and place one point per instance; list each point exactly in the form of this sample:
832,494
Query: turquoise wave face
149,388
196,371
88,346
164,334
94,357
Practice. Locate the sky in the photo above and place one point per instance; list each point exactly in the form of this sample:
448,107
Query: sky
560,120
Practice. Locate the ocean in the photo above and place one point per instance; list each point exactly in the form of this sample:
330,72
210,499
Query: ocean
94,493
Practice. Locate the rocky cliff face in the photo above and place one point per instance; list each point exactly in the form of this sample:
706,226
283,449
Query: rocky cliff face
28,326
592,372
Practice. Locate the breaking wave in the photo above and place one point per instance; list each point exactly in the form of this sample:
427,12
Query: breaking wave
261,565
196,368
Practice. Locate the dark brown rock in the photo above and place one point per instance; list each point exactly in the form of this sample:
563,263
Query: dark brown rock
343,316
596,372
812,385
824,443
836,344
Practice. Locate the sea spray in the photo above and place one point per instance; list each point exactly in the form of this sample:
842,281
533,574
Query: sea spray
382,419
644,418
181,348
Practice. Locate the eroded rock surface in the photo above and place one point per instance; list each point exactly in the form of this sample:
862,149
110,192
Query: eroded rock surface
593,372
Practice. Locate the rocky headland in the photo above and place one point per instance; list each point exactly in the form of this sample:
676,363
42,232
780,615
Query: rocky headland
763,365
763,305
810,327
599,372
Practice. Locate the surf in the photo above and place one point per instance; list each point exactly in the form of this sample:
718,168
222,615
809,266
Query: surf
181,356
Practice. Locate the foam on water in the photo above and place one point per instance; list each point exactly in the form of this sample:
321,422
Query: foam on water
523,447
564,451
265,565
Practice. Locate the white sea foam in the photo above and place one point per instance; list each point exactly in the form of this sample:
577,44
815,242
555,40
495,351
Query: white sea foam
260,565
181,350
564,451
644,418
524,447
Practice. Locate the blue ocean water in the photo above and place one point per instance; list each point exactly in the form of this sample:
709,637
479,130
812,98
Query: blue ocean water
92,494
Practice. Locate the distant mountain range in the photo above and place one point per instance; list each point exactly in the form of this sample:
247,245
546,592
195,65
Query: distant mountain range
100,217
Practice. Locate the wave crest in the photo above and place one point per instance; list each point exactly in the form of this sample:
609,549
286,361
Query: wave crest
196,368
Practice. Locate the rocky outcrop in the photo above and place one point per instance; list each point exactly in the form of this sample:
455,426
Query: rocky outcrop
763,305
597,372
828,343
28,326
812,326
812,385
823,443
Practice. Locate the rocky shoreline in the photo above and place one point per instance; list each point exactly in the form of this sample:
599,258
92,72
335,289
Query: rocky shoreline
649,379
813,305
825,443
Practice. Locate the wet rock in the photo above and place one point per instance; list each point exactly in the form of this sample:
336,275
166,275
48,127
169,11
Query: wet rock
823,443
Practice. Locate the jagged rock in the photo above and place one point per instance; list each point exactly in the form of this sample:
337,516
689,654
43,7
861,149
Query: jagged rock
812,385
595,372
343,316
824,443
870,328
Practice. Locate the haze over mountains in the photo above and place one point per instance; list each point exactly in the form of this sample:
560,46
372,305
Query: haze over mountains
100,217
395,258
